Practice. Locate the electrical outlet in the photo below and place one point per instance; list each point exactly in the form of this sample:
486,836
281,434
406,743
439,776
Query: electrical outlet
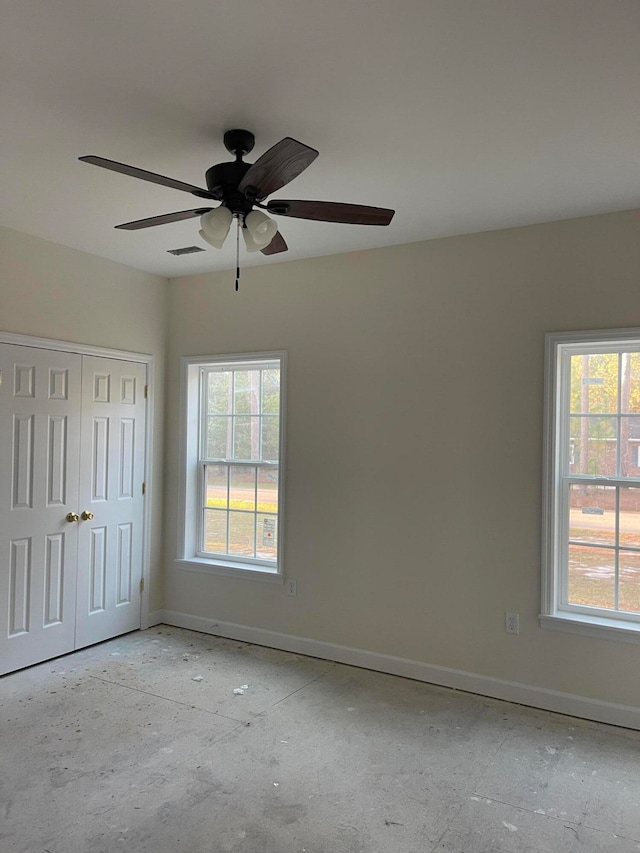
291,587
512,623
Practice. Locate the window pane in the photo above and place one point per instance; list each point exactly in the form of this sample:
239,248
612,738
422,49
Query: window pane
268,489
593,446
271,438
216,486
591,576
592,514
246,398
267,544
215,531
594,383
218,393
242,487
242,403
630,447
271,391
630,517
629,597
246,438
241,533
241,388
218,444
631,382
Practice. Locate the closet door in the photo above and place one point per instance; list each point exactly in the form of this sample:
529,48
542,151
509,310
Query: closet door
39,437
111,507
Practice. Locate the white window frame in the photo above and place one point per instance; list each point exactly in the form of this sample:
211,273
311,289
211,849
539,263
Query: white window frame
555,614
190,498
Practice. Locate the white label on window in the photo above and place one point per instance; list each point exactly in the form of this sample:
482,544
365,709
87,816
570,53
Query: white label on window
0,379
268,531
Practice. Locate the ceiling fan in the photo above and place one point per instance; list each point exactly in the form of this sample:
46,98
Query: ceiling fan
240,187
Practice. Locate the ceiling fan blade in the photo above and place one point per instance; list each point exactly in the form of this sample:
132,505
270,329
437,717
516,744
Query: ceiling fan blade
163,219
276,245
278,166
332,211
134,172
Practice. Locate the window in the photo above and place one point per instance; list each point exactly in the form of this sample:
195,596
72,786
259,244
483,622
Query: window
233,448
591,541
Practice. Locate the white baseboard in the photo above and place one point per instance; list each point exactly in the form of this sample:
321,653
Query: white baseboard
510,691
154,617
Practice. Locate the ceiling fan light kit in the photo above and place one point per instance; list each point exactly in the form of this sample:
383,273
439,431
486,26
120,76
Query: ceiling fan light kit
240,187
249,243
215,226
260,227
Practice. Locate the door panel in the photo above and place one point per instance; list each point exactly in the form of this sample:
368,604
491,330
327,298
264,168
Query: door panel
39,470
72,438
111,477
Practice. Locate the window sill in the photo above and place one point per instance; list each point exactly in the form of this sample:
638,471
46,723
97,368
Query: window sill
229,569
592,626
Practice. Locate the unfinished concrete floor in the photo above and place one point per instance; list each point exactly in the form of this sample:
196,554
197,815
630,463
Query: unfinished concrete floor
118,747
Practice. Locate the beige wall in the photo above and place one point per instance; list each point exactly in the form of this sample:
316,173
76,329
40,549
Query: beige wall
51,291
414,442
414,423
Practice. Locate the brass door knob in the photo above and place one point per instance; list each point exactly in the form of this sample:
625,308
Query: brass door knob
73,516
86,516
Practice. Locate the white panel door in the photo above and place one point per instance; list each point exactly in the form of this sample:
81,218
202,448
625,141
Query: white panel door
112,449
39,437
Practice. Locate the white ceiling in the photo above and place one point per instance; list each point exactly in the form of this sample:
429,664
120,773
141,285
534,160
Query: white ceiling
463,115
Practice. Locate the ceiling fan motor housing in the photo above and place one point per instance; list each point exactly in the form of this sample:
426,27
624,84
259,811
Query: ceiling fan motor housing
223,179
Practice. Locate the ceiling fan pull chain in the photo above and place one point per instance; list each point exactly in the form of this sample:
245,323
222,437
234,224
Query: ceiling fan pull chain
237,253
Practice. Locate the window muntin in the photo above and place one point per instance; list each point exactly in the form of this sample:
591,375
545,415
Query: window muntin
240,448
592,520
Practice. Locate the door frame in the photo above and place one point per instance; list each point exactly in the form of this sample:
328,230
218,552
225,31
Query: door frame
122,355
